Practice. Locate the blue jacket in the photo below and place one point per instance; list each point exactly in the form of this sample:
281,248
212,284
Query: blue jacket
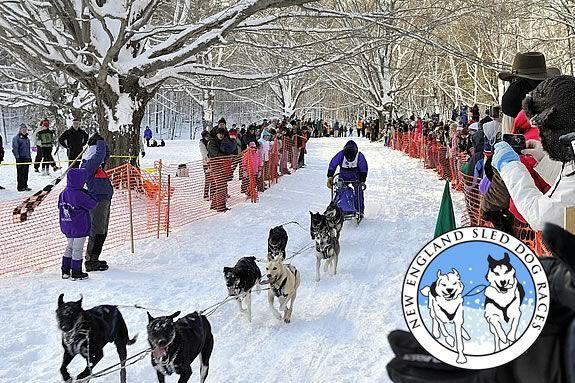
75,204
99,185
352,164
21,148
148,133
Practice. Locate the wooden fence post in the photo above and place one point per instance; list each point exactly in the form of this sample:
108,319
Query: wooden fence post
159,198
168,210
570,219
129,168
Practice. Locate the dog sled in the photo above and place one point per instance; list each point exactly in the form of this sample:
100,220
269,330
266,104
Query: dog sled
344,195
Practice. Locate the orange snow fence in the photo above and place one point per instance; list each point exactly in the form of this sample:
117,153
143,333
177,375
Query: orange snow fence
146,203
448,165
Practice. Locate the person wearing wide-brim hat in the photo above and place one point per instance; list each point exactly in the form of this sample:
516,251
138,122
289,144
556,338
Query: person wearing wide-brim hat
528,70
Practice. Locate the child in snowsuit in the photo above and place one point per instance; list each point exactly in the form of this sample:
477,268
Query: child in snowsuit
75,204
251,165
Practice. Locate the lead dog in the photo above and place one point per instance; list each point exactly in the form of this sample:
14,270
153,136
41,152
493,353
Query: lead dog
175,345
334,217
90,330
503,299
241,279
445,303
277,242
284,281
326,248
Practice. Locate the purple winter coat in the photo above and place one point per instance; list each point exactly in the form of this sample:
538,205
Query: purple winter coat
75,204
352,164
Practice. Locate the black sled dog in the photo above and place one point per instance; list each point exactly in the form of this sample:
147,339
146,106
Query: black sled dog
175,345
90,330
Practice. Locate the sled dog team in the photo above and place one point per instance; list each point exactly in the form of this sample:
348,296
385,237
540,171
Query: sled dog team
175,344
503,297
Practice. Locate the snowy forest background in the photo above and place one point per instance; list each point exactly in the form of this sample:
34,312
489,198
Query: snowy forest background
178,65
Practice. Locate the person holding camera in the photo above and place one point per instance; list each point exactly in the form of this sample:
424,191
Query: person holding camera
551,108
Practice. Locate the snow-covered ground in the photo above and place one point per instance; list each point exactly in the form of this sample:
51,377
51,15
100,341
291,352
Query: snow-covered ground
339,325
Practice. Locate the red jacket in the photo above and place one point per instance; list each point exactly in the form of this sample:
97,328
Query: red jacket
523,126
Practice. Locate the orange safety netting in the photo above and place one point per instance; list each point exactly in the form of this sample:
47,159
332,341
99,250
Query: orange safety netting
448,165
145,203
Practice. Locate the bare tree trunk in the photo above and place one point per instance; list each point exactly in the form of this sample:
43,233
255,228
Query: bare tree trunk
122,138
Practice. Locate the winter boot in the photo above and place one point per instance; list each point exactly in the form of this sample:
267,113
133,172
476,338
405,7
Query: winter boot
77,272
102,265
66,265
96,265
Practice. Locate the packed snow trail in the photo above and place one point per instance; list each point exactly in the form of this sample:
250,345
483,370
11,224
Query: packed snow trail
339,326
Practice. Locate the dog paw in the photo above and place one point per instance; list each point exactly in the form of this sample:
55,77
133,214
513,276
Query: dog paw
450,341
461,359
287,320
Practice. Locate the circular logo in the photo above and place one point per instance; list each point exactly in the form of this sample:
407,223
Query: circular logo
475,297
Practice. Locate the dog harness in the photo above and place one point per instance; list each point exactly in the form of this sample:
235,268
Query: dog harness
449,315
503,309
278,292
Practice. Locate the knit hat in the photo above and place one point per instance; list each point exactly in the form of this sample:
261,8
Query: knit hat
252,144
222,121
22,126
551,107
205,133
221,131
233,132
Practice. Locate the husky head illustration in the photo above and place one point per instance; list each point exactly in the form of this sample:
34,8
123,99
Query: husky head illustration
501,273
448,286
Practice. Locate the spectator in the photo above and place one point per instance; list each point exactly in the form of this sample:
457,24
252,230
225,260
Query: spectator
350,131
148,135
100,188
475,112
44,140
233,136
21,150
528,70
251,165
222,123
74,140
250,136
1,155
75,204
264,152
220,167
551,107
204,152
359,127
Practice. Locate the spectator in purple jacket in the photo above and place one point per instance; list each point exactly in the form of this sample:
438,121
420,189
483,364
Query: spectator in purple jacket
353,168
148,135
75,204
